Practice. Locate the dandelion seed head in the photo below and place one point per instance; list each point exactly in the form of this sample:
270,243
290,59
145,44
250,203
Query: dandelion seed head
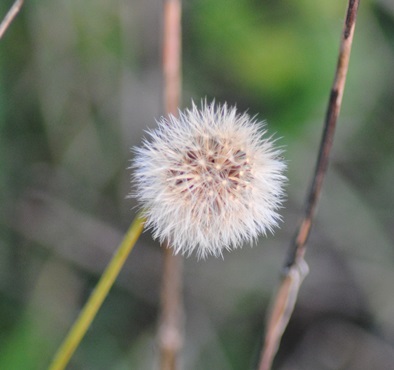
209,180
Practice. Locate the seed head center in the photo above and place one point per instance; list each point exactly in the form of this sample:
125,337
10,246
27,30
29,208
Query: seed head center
211,168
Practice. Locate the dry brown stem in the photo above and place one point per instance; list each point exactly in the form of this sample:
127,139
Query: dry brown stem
295,266
9,17
172,56
171,321
171,316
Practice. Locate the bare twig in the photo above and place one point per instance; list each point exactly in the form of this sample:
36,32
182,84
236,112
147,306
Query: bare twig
295,265
9,17
171,319
172,55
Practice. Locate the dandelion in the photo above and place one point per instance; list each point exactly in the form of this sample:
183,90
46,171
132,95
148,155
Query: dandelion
209,180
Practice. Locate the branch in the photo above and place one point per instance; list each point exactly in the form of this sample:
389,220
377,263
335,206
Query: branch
171,307
9,17
295,266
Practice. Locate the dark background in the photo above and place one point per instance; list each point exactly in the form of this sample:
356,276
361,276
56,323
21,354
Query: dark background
80,81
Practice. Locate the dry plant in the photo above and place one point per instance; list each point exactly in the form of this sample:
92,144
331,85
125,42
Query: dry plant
209,180
296,268
170,332
170,326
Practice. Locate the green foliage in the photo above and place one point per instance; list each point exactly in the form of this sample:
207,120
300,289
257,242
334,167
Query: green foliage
280,58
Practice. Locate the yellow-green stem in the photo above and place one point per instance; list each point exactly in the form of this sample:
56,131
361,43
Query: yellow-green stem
97,297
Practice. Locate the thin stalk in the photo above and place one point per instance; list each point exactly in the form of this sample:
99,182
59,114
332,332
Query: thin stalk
170,333
172,56
171,320
9,17
96,299
295,268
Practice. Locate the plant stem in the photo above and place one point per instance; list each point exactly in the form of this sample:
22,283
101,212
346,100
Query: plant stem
170,334
171,320
295,266
9,17
96,299
172,56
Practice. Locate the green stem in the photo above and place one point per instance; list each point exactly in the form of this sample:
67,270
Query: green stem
96,299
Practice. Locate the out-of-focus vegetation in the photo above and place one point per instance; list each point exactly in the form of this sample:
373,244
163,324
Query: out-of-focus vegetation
79,83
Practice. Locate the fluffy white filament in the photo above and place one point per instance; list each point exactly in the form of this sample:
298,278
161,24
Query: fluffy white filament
209,180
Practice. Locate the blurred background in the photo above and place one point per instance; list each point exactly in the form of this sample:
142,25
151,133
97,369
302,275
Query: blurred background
80,81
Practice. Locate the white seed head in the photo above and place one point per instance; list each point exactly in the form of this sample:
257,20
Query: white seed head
209,180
